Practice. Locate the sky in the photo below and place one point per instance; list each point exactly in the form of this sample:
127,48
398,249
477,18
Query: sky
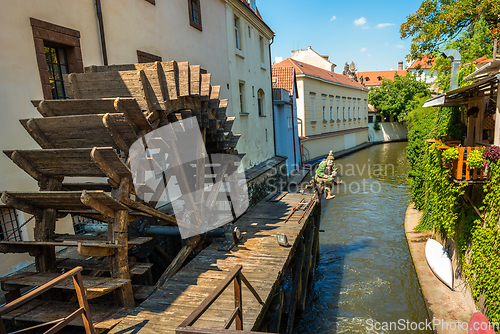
366,32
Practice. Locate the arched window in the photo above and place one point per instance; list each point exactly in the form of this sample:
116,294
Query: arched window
367,79
260,102
379,78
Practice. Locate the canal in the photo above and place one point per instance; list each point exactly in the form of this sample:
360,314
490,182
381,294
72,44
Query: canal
365,276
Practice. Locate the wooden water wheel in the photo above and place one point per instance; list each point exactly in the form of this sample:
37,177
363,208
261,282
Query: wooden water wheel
89,135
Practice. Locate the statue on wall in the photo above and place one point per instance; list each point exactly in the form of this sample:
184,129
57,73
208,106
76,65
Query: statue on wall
324,178
350,71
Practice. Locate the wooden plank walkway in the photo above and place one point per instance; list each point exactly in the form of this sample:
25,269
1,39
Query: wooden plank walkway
263,261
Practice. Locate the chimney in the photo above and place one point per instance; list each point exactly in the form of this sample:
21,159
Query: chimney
400,65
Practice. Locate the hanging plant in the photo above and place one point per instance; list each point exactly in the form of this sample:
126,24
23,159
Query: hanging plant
475,159
449,155
492,153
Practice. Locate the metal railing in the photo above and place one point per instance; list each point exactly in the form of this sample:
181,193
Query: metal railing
59,323
237,315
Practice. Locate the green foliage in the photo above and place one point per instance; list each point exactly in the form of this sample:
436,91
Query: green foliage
443,196
445,207
399,96
475,159
483,269
437,22
376,125
450,154
472,45
422,125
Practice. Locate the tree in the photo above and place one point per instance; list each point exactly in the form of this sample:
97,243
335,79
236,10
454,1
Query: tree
399,96
471,45
437,22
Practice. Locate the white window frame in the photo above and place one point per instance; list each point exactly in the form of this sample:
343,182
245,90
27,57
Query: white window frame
331,108
237,34
241,87
324,108
338,109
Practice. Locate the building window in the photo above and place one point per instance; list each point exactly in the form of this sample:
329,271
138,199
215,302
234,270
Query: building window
379,78
237,32
366,109
349,109
195,14
343,110
359,107
331,109
51,36
370,119
242,97
378,119
9,225
324,108
262,53
144,57
338,109
260,102
58,65
249,32
367,79
313,108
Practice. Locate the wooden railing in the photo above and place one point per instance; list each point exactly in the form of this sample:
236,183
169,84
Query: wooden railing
461,172
237,315
59,323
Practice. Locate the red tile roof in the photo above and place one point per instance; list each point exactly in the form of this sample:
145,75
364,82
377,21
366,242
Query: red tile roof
303,68
482,61
422,63
284,77
373,76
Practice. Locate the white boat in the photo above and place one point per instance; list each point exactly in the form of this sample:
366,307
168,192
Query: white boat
439,261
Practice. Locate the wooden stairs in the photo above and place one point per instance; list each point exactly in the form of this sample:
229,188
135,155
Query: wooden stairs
89,135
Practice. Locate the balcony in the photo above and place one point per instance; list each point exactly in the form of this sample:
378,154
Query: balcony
460,172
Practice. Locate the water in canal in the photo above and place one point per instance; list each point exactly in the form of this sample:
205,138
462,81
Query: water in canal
365,275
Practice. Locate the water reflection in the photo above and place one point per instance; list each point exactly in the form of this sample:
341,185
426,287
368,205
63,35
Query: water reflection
365,273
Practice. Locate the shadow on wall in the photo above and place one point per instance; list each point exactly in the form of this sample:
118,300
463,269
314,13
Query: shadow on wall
389,131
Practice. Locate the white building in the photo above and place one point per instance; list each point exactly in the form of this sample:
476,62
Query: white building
250,69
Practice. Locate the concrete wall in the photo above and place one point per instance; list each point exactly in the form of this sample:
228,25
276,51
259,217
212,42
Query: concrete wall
388,131
246,68
130,25
317,147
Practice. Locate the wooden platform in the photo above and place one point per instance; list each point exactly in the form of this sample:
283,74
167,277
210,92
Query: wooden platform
263,261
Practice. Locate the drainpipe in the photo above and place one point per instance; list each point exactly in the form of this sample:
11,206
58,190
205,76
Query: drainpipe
272,101
455,66
98,11
302,127
293,137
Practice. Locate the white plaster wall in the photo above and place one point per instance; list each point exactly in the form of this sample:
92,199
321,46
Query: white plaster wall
310,56
129,25
388,131
257,138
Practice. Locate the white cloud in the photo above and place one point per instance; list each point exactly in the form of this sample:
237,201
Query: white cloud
399,46
363,49
391,69
383,25
368,55
333,18
359,22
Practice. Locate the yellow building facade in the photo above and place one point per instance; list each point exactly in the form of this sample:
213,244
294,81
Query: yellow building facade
332,110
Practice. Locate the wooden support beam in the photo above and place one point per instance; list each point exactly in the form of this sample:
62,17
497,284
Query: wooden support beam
306,270
96,205
86,250
119,107
38,135
114,178
25,165
75,89
113,131
153,212
44,109
297,285
10,200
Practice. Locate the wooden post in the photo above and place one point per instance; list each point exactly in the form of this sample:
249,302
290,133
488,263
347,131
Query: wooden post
238,302
306,269
496,140
119,236
276,322
296,289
